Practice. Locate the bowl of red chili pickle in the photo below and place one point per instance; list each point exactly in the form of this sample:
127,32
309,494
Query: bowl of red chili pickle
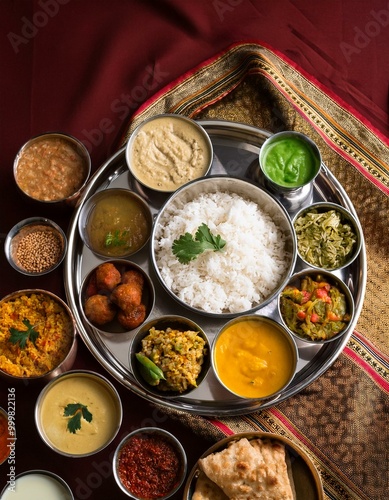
150,463
35,246
7,433
52,168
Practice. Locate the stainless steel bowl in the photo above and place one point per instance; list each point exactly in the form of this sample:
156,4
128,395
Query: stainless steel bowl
88,288
154,436
35,246
333,280
246,190
114,195
174,322
169,165
255,349
346,218
69,358
32,482
52,183
83,387
292,197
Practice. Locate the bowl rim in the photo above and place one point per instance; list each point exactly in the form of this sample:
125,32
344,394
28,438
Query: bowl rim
122,262
230,179
290,133
44,472
143,331
68,137
151,430
89,205
335,280
345,214
174,116
70,374
277,325
30,291
34,221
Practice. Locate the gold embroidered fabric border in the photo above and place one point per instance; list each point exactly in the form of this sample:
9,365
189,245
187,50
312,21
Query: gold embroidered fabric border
341,418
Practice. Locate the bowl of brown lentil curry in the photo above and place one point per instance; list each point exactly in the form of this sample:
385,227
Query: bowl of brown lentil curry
37,336
35,246
52,168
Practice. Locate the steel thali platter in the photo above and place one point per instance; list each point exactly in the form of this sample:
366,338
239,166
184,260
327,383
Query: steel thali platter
236,148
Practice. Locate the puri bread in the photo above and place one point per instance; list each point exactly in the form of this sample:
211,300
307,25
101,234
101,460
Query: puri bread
206,489
248,470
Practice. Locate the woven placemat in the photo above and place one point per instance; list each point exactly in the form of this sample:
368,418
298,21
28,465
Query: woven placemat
341,418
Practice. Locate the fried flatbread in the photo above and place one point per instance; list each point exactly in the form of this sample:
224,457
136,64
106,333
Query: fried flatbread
207,490
246,471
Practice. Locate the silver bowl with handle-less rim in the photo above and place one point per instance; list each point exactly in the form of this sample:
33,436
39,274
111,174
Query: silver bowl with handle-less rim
290,174
56,316
168,150
331,228
78,413
37,483
302,325
166,472
35,246
254,357
115,223
116,325
281,248
52,168
181,324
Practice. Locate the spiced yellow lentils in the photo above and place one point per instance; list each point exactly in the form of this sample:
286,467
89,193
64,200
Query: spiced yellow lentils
52,323
180,355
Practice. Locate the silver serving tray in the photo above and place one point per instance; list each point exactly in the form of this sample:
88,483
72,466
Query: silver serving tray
236,148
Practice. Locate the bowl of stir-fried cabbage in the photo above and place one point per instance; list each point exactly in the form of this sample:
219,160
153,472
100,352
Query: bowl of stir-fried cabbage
316,306
328,236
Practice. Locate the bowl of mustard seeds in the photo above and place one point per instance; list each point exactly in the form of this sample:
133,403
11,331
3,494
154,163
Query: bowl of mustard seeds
35,246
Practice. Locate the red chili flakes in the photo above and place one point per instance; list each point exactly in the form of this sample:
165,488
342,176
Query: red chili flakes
149,466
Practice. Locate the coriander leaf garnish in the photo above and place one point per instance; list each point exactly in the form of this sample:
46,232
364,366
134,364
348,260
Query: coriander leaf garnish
76,411
116,238
21,336
187,248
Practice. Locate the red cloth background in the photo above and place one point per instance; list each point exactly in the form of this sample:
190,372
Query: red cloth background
84,66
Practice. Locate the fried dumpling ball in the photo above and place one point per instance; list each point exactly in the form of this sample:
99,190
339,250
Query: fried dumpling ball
126,296
133,317
99,309
133,277
107,276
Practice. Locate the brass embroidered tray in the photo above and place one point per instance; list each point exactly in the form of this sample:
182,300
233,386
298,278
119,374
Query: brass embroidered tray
236,148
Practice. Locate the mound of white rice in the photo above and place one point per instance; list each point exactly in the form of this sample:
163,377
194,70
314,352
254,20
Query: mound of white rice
244,274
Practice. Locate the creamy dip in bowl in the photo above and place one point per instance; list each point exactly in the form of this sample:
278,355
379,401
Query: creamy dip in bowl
166,151
78,413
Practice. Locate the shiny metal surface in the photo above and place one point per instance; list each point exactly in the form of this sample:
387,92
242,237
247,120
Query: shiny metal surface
236,147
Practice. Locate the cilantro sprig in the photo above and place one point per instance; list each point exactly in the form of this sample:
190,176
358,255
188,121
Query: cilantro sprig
22,336
75,411
187,248
116,238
